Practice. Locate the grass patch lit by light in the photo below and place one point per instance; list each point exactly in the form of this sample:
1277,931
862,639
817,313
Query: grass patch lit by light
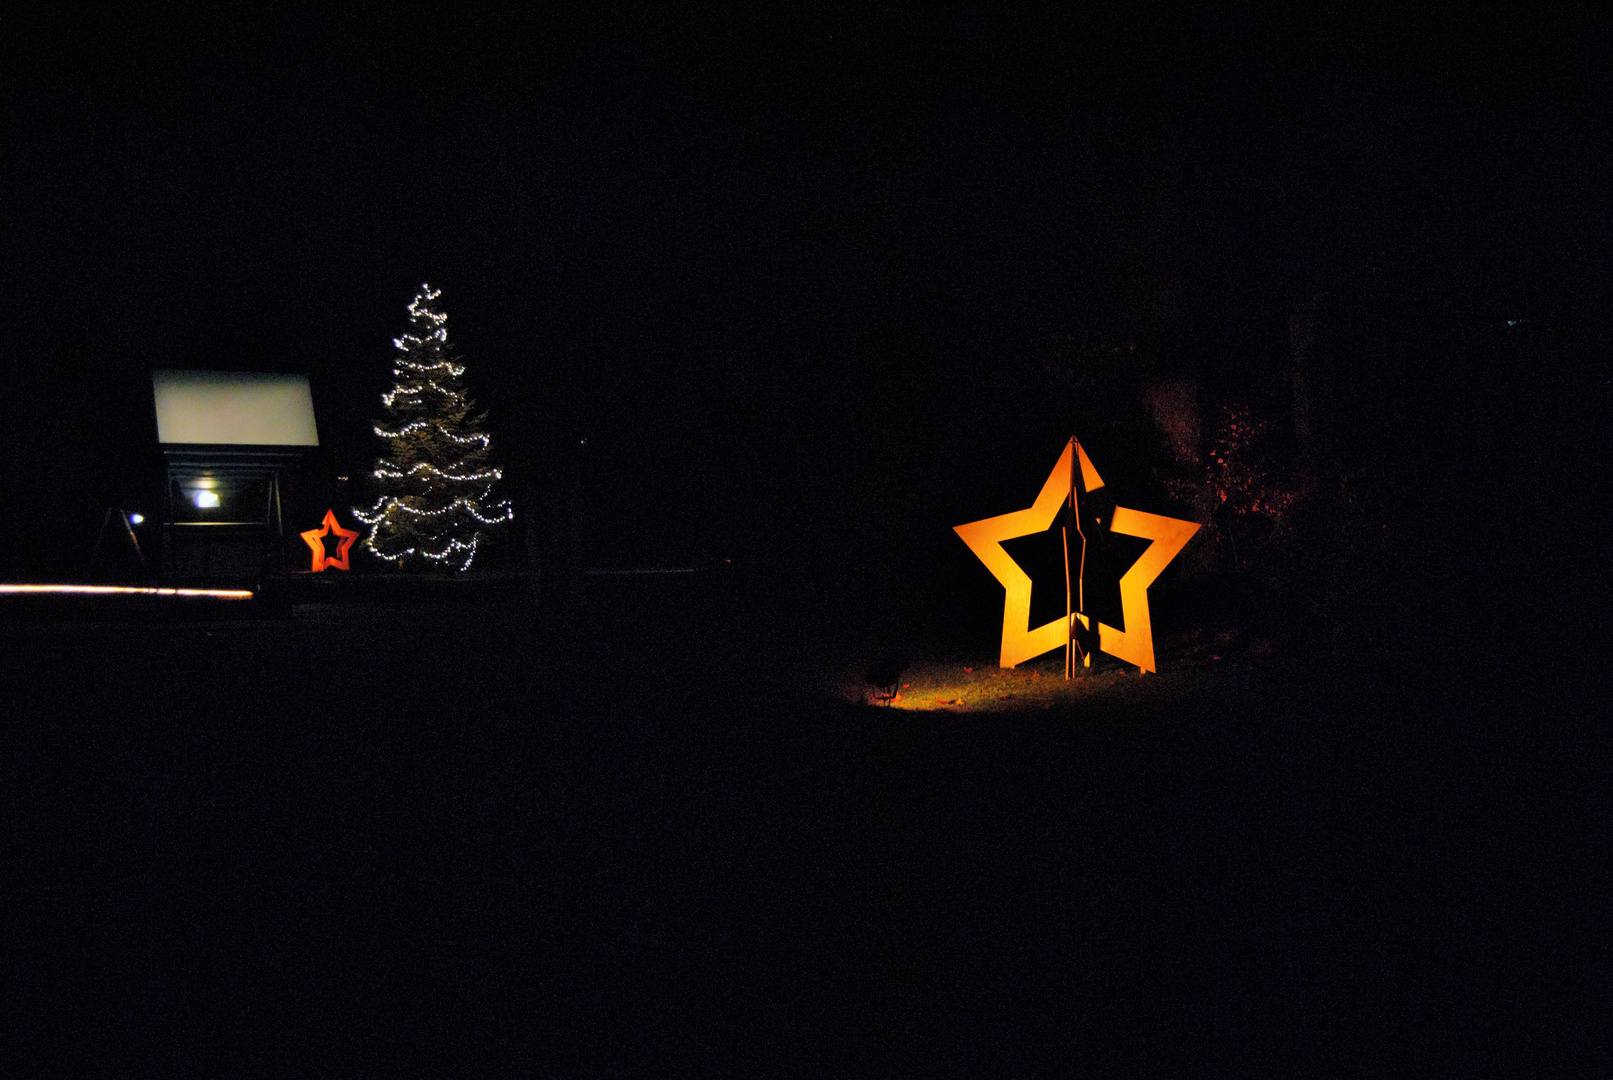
954,687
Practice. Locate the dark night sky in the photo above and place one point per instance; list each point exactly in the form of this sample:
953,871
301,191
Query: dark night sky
784,267
817,285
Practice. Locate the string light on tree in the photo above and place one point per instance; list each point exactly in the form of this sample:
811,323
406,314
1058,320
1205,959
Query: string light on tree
434,484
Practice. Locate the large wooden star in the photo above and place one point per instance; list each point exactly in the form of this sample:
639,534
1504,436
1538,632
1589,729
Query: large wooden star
1134,644
315,538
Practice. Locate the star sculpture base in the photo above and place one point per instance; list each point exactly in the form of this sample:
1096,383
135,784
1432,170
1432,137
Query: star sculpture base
1134,644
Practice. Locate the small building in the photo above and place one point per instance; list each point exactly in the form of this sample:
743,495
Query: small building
227,437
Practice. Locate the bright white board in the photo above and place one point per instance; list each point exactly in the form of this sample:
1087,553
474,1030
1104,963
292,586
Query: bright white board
244,408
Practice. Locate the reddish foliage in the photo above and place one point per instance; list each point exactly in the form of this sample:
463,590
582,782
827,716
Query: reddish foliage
1245,495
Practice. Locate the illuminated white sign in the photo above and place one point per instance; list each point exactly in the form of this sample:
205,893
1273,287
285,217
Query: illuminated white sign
233,407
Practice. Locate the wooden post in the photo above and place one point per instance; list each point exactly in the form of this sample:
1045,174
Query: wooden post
1069,618
1069,612
95,552
128,527
1081,574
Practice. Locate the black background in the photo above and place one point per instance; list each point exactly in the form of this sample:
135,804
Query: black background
798,272
805,281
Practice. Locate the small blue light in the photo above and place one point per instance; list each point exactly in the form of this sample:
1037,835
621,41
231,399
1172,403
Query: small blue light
136,519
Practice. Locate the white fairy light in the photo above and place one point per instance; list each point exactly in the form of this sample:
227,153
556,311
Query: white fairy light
421,425
378,511
388,472
430,509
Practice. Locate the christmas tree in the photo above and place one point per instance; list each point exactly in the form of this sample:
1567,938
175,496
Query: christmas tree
434,482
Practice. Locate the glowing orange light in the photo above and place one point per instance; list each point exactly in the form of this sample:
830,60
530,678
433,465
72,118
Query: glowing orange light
124,590
1135,644
315,538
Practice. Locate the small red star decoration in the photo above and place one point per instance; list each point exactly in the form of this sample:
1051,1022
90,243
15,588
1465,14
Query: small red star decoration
315,538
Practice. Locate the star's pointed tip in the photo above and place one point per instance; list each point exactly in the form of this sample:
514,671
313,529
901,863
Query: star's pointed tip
1089,472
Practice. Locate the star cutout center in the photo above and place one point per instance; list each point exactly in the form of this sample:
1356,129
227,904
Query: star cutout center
315,539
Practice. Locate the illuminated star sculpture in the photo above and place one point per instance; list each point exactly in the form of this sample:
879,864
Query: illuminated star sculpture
1134,644
315,539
